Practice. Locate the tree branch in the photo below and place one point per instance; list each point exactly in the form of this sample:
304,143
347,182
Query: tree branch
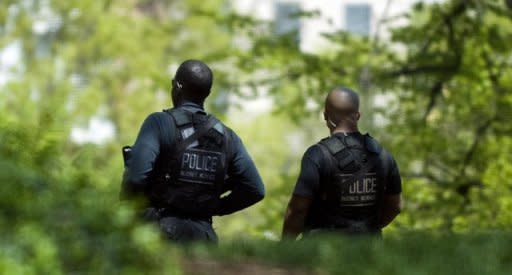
423,69
463,189
494,76
447,21
425,176
479,133
434,94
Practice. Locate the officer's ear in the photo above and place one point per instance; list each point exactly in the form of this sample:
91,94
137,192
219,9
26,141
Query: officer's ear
358,115
176,92
176,86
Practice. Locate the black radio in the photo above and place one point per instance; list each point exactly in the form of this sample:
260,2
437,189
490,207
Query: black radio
127,154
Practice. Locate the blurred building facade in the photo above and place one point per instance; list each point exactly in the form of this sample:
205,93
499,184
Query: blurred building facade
311,19
360,17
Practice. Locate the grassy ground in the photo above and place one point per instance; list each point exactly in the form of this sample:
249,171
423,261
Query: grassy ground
489,253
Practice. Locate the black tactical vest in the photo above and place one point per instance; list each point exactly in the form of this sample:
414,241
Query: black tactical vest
188,177
351,185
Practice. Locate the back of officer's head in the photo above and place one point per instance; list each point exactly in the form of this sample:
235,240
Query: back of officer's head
193,80
342,105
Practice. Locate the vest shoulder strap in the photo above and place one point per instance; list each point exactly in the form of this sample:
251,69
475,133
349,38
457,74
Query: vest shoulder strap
201,131
327,169
333,144
180,116
219,128
372,145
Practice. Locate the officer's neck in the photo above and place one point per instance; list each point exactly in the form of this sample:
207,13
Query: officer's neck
345,129
189,103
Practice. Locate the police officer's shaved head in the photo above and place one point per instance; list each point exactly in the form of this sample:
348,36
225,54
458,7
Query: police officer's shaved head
342,107
193,81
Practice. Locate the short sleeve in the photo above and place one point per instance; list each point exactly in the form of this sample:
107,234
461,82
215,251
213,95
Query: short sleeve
309,178
394,183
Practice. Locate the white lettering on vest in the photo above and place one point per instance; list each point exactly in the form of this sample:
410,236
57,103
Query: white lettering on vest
199,162
366,186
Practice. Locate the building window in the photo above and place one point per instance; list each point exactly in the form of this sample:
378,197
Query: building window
357,18
287,20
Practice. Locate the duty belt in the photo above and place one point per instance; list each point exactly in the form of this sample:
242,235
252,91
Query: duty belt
167,212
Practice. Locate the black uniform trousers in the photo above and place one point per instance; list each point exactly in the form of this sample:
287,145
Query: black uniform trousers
181,229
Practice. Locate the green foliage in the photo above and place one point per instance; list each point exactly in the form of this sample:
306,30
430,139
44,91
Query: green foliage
412,253
59,199
455,75
445,76
59,213
278,164
54,225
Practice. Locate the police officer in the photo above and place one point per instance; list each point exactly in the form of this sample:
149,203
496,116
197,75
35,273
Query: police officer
348,183
184,159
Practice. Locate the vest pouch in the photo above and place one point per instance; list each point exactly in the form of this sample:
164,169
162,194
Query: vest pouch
192,200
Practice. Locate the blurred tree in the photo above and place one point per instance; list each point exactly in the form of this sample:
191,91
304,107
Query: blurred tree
444,75
442,79
77,60
276,151
453,114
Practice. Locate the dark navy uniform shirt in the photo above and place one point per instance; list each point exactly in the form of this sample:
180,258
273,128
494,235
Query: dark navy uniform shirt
158,133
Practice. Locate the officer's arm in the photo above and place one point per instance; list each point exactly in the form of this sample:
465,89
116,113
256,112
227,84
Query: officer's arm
143,156
295,216
391,207
244,181
305,189
392,201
